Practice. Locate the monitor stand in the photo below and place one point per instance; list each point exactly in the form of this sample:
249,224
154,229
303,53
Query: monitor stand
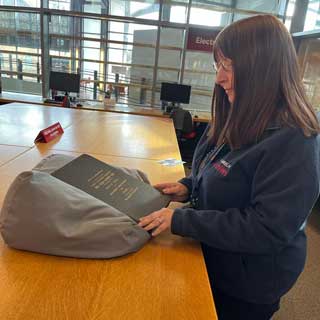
171,106
66,100
58,98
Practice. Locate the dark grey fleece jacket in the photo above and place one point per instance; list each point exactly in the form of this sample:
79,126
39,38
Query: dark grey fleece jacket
249,211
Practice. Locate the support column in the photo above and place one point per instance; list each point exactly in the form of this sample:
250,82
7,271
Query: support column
45,47
156,58
19,69
299,16
95,85
104,44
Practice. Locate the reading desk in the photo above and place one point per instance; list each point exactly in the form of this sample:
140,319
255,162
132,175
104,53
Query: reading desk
166,279
7,97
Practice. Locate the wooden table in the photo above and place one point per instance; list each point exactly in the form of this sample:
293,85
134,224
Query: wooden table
7,97
166,279
198,116
92,132
7,153
21,122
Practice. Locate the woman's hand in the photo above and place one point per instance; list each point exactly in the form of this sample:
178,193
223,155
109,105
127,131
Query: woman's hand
176,190
157,221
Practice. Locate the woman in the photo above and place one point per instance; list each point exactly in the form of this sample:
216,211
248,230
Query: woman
255,173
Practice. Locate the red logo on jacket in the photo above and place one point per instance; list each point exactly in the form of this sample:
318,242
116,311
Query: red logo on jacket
222,167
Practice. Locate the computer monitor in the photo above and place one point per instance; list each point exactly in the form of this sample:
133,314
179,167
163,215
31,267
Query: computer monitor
175,93
62,81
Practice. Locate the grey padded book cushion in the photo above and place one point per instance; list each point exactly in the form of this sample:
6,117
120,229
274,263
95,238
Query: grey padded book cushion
43,214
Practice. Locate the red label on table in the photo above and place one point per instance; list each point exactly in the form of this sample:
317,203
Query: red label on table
49,133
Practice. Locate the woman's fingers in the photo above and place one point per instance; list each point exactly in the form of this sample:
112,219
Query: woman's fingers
159,229
162,186
150,220
176,190
157,221
170,190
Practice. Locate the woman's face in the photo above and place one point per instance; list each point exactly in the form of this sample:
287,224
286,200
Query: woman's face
224,76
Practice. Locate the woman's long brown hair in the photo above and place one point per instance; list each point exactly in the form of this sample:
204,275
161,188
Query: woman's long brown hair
267,83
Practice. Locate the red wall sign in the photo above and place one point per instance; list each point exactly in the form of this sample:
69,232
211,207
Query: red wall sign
49,133
200,39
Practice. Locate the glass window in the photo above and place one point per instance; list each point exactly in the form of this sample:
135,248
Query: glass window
105,53
138,9
256,7
270,6
91,28
175,11
312,21
309,60
60,24
81,6
72,51
289,13
129,32
119,54
63,41
59,5
208,13
131,59
200,75
21,3
140,89
20,58
170,55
